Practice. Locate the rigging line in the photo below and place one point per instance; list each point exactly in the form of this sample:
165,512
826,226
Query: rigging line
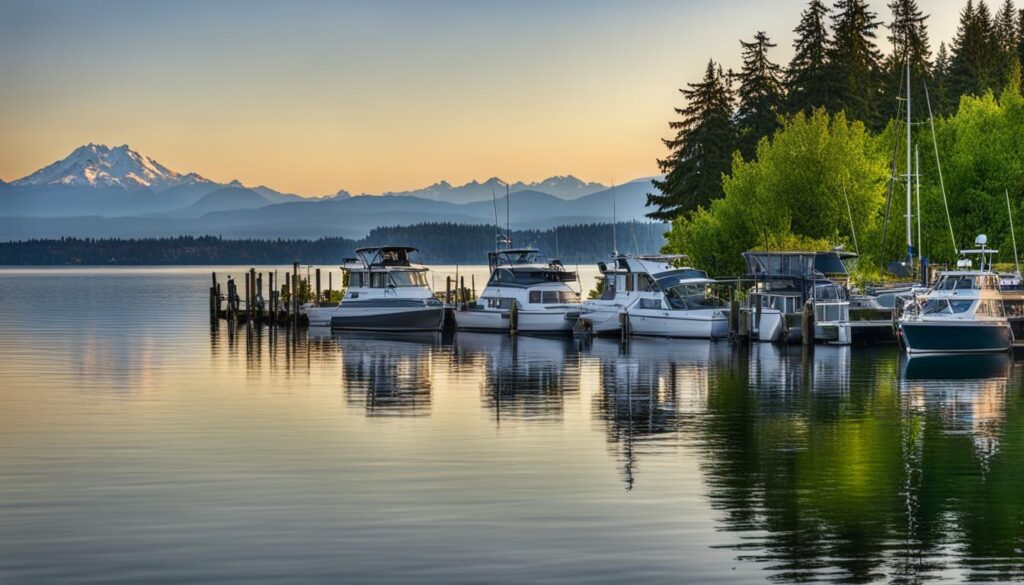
1009,210
917,176
892,167
942,184
849,213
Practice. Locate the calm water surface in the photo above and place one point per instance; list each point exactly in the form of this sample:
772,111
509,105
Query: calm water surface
137,445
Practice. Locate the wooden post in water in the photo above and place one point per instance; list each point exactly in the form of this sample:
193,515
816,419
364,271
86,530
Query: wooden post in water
213,299
259,297
447,290
734,319
295,299
472,281
317,301
807,324
462,289
330,284
248,300
252,294
270,291
513,318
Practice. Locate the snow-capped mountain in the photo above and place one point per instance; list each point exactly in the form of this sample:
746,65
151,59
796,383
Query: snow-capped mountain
563,187
98,165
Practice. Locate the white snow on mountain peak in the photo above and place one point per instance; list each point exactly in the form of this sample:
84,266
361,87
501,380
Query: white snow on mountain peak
98,165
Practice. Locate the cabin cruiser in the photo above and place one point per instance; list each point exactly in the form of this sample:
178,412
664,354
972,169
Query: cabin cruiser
688,307
962,313
524,293
386,292
783,283
630,281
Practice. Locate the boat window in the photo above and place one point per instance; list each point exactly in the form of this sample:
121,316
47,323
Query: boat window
961,306
956,283
378,279
496,303
630,282
692,296
409,278
645,283
935,307
650,304
355,279
826,293
554,297
534,296
500,276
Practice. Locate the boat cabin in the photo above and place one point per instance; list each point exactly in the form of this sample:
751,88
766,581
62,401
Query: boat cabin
525,267
385,267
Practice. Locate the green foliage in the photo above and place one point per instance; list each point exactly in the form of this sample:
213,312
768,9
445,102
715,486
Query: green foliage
791,196
598,289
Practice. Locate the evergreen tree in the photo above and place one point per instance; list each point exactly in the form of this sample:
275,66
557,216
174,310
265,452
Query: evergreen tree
1006,39
941,100
807,80
760,94
701,151
973,64
855,62
909,38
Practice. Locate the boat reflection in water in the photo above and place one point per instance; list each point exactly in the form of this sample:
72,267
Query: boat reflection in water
524,377
648,389
389,374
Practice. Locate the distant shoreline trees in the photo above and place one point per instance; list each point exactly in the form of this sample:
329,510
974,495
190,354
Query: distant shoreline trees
440,243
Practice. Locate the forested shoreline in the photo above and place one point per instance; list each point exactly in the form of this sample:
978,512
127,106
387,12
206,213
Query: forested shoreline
439,243
813,154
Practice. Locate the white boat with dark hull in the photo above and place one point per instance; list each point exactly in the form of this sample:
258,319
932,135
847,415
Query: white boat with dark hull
524,292
651,288
962,313
386,292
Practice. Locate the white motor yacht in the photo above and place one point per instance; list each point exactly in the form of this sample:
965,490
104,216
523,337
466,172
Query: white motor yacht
386,292
962,313
525,293
687,307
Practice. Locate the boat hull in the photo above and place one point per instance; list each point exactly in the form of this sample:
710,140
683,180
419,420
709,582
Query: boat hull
921,337
548,321
427,318
684,324
603,321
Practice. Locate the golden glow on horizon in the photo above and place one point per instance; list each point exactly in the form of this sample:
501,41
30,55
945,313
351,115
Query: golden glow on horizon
364,97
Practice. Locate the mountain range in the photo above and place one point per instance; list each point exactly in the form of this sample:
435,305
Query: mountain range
99,191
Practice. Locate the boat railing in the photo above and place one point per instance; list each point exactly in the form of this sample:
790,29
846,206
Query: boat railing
831,311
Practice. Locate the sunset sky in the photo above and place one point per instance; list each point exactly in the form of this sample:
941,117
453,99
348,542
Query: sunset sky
312,97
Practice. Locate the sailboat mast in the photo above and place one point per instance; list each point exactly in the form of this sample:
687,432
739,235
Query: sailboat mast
910,237
615,224
508,217
917,177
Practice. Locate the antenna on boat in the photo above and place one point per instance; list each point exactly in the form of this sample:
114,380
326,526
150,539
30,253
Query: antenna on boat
1009,210
615,224
508,217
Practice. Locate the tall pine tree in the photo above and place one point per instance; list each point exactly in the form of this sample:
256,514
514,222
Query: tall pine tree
908,36
760,94
807,82
701,151
973,65
855,62
1006,37
941,100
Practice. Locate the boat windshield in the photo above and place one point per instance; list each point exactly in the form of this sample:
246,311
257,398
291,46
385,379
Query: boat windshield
552,297
409,278
955,283
946,307
692,296
668,279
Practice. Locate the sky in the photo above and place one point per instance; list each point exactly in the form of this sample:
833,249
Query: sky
311,97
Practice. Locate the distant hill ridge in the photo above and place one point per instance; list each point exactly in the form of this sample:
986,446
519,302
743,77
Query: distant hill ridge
99,191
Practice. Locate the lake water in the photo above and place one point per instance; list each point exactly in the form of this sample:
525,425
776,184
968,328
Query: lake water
137,445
